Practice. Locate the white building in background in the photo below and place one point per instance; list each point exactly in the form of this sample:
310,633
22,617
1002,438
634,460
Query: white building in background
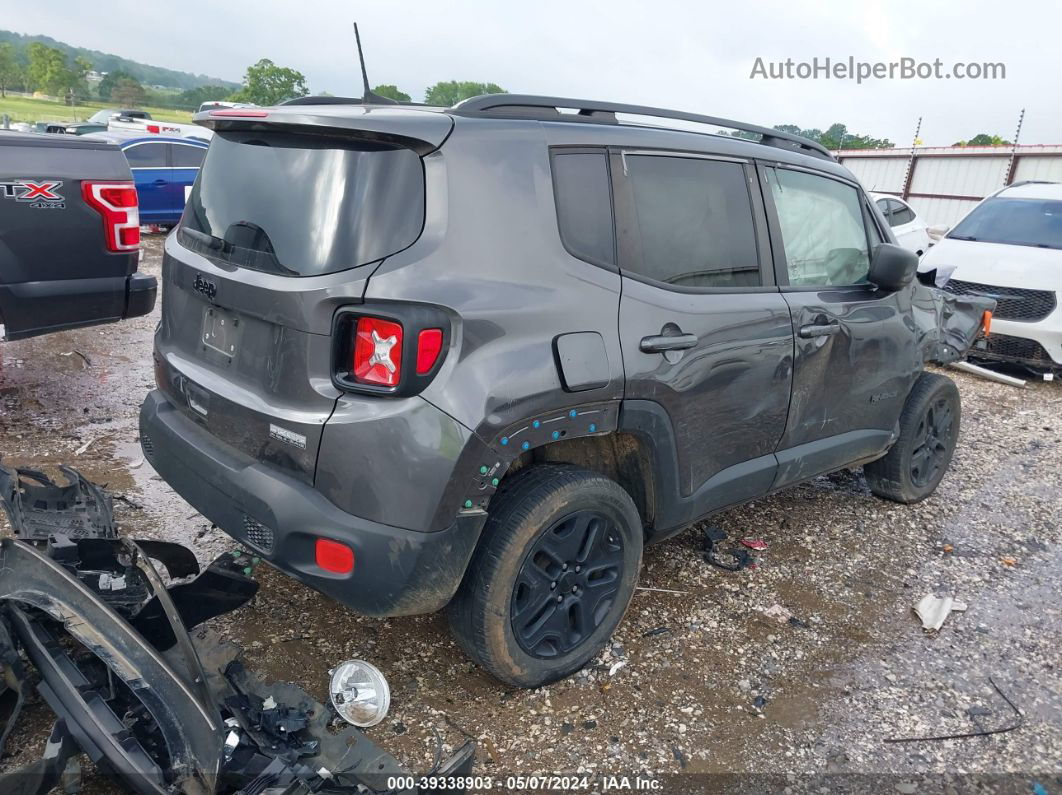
943,183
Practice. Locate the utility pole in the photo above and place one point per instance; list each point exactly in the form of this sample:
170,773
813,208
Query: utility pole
1014,151
906,190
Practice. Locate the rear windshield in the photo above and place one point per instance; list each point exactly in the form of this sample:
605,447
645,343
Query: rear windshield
303,205
1019,222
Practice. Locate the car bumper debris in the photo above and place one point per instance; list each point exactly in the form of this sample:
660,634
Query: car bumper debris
164,711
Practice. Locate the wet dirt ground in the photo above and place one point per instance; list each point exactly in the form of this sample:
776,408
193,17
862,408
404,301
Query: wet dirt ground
793,674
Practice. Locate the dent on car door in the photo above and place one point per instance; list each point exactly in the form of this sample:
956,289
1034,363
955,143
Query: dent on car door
856,355
706,337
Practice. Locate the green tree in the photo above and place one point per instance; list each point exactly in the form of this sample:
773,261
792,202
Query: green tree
449,92
48,70
267,84
984,139
392,92
109,81
76,83
128,93
837,136
194,97
10,71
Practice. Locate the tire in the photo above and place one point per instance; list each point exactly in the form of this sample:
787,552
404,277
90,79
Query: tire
505,615
908,473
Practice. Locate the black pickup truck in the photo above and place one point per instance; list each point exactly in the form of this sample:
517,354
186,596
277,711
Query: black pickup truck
69,236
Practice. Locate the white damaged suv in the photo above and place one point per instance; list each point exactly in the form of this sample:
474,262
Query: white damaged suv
1009,247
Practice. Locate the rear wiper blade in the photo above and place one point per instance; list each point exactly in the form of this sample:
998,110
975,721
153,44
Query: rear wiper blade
216,243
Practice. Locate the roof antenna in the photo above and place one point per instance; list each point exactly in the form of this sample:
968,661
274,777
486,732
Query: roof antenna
368,97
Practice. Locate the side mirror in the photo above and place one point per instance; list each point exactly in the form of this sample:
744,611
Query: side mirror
936,233
893,267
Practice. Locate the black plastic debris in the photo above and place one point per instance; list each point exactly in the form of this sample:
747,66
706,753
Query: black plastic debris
39,508
728,558
163,711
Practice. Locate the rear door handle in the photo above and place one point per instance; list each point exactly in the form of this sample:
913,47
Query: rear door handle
660,343
820,330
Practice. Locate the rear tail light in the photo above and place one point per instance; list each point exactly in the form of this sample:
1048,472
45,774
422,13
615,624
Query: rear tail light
377,352
388,348
117,203
153,128
333,556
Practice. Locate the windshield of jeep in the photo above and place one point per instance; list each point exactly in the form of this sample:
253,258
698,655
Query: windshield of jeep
1018,222
302,205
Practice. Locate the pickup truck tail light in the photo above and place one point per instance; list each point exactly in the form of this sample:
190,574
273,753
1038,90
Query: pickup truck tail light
394,351
117,203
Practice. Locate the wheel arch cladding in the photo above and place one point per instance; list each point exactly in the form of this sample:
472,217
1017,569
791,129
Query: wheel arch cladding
514,441
621,457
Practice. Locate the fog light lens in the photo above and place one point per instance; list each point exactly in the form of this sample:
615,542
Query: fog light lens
360,693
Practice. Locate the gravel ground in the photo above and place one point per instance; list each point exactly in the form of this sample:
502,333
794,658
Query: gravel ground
790,675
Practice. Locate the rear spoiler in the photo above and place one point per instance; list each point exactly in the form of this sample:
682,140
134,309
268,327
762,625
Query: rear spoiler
423,131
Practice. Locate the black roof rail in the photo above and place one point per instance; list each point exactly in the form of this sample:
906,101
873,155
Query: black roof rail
530,106
1031,182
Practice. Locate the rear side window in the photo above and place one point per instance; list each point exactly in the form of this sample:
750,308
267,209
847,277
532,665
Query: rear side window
823,234
185,156
694,222
584,205
147,156
301,205
901,214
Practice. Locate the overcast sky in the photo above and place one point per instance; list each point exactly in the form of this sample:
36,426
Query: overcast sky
696,56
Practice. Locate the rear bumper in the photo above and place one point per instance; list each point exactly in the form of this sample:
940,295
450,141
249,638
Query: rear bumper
396,571
32,308
140,292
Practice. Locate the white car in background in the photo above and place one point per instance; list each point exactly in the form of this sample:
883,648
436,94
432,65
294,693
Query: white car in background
910,230
1009,247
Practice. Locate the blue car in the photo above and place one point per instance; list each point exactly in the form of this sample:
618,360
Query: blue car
164,169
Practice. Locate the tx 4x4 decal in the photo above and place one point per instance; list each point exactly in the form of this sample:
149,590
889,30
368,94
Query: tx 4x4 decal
37,193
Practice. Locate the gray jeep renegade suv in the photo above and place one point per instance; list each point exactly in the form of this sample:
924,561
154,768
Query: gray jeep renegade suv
476,357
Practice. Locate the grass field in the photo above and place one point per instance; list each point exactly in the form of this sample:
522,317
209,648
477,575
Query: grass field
29,110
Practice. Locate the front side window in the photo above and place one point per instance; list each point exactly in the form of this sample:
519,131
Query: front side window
823,234
694,222
1018,222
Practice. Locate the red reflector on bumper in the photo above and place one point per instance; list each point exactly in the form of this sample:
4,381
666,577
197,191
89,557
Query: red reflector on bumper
334,557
